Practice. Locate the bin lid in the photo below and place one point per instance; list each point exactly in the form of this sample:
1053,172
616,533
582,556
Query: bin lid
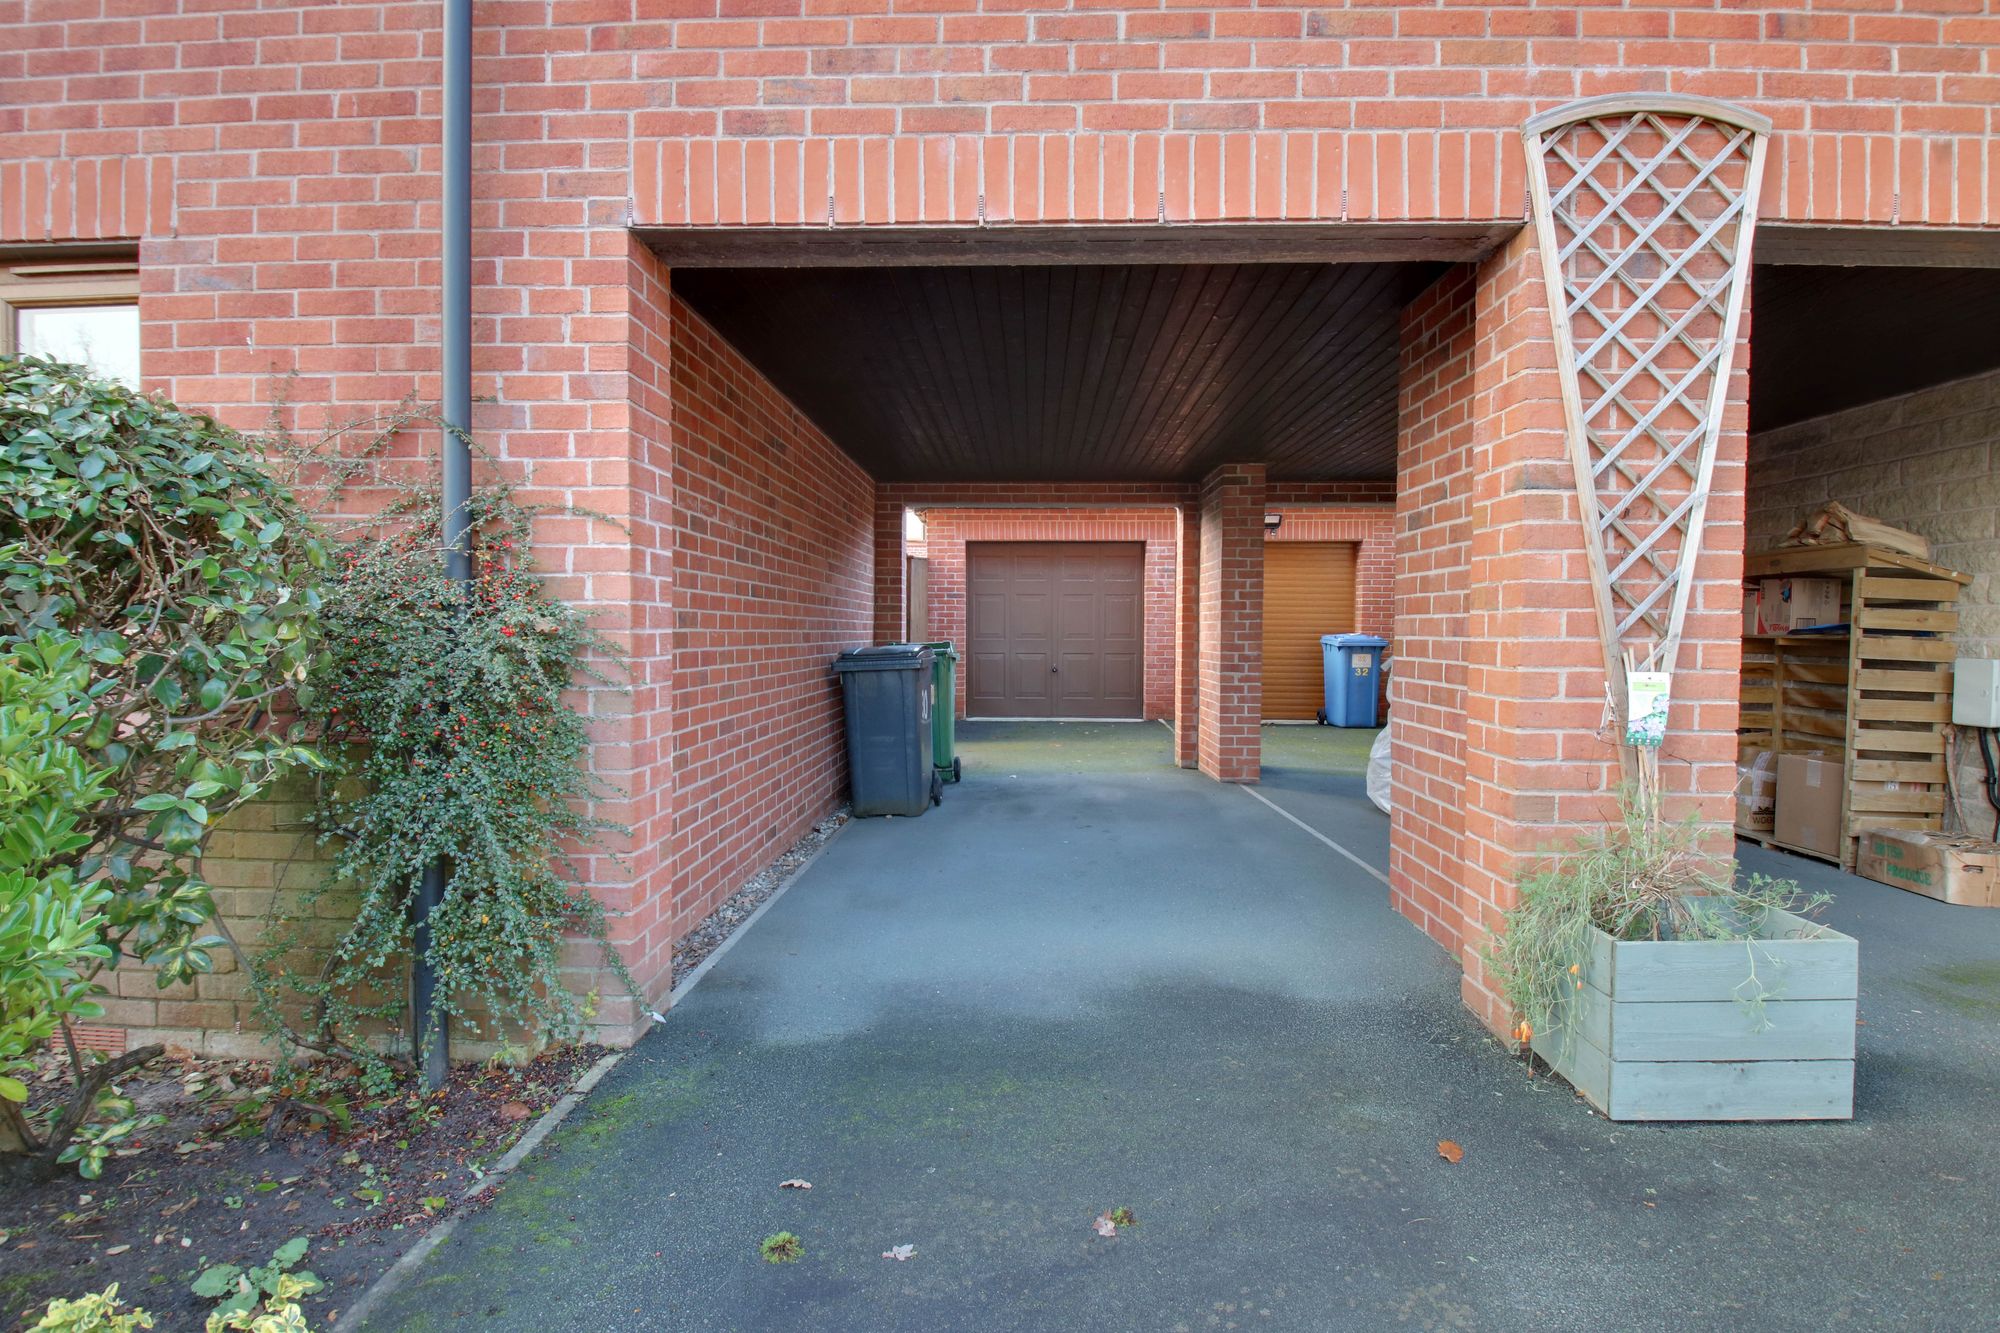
943,648
885,657
1352,641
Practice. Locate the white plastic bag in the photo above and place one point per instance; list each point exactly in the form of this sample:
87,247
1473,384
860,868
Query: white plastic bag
1378,771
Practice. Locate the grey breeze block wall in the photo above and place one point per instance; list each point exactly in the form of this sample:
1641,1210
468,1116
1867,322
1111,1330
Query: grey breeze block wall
1927,461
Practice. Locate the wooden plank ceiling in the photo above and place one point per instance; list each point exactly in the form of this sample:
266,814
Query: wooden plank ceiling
1081,372
1824,338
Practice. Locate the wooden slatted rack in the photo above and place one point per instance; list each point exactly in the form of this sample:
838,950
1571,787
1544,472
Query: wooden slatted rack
1876,696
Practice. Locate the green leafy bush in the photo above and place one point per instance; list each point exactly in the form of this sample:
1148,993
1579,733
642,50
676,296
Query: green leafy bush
94,1312
150,546
252,1297
53,921
279,1312
51,924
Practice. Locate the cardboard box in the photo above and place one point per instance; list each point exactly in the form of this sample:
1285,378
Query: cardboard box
1945,866
1751,624
1788,604
1757,793
1808,805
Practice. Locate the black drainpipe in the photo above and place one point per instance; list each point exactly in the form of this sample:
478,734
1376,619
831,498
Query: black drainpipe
431,1034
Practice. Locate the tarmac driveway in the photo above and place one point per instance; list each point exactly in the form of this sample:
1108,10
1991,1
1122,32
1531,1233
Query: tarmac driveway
1091,980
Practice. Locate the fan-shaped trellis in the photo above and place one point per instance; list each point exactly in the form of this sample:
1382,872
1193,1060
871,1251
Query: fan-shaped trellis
1643,209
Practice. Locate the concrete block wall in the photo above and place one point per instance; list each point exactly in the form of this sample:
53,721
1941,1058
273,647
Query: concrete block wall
1927,461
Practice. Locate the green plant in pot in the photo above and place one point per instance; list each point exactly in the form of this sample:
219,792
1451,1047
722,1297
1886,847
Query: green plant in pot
1665,987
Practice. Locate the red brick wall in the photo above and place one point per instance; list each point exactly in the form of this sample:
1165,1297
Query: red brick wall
1230,653
642,574
1427,681
1370,527
1187,636
1350,110
946,531
1491,540
276,167
773,576
595,109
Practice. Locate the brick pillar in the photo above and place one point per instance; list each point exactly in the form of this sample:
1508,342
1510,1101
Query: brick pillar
1433,543
1187,635
890,574
1230,697
1536,770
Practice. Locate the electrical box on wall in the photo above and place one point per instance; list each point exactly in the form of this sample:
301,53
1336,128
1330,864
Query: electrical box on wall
1975,692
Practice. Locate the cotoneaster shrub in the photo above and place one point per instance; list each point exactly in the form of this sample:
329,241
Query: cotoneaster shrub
453,715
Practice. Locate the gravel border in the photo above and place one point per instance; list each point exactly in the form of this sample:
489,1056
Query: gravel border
735,911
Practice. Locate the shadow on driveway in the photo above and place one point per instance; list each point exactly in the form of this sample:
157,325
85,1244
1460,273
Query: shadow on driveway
1093,980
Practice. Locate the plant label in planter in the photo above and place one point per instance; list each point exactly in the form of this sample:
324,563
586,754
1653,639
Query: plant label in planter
1646,697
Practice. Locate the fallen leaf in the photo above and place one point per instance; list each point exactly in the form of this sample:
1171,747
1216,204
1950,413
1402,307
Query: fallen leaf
515,1110
117,1249
1450,1151
899,1252
1104,1226
795,1184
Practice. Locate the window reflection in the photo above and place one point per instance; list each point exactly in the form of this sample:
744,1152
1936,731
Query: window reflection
103,337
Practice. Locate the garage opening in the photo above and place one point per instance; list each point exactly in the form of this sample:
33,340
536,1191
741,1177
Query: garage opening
1055,629
1122,434
1308,592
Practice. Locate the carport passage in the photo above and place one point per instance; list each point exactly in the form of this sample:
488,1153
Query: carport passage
1092,979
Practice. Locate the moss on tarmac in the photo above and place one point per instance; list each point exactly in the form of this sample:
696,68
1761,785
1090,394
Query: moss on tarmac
1092,980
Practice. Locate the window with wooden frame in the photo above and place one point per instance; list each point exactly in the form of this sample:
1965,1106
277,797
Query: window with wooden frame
83,310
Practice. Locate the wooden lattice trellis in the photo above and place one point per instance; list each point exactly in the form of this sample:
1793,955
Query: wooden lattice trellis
1643,209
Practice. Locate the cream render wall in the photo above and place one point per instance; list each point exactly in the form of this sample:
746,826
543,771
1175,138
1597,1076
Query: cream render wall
1927,461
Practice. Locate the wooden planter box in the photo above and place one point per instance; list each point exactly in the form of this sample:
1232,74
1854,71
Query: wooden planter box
1660,1033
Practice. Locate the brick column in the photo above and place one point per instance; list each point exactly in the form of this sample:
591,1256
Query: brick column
1433,542
1536,770
1187,634
890,574
1230,696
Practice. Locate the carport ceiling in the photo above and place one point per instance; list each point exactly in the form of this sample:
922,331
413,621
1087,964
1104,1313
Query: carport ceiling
1823,338
1123,372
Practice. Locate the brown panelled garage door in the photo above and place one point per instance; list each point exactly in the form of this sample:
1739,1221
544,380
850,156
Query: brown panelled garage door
1308,591
1055,629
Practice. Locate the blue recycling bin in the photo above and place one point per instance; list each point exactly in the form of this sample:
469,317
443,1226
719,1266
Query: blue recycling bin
1353,665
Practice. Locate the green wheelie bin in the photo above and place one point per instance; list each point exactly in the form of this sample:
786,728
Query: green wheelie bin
944,713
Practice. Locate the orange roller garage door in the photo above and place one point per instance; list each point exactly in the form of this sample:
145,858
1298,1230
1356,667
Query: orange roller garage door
1308,591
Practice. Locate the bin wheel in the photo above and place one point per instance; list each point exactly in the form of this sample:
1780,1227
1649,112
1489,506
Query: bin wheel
957,768
1322,717
937,790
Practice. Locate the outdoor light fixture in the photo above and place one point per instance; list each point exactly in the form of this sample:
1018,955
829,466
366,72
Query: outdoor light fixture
1272,521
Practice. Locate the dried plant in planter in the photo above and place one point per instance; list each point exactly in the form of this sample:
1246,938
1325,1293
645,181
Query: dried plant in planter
1644,878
